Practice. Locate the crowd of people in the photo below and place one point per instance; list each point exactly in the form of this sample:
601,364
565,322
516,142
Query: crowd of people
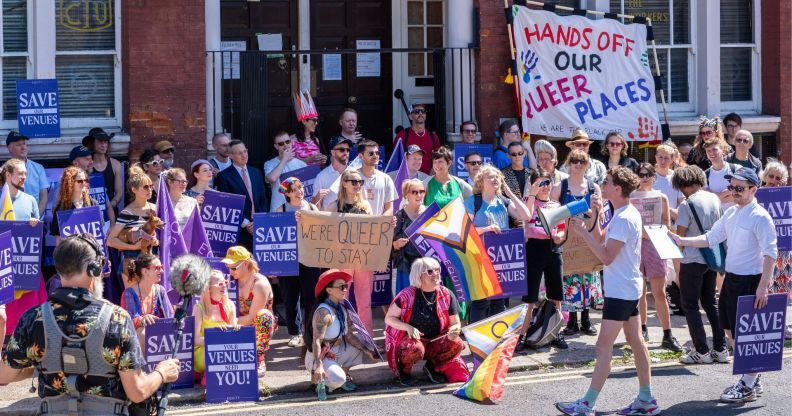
703,196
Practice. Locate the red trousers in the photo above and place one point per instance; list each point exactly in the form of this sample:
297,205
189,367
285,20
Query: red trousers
443,353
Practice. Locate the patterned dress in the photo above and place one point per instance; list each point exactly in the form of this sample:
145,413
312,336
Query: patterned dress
265,323
306,148
782,274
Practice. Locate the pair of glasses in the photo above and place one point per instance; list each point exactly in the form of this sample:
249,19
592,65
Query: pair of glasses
167,151
469,131
235,268
418,192
774,177
545,182
157,267
314,120
738,189
707,133
373,153
419,111
283,143
615,144
147,187
644,175
433,272
517,154
513,132
342,149
732,126
179,181
81,181
355,182
154,162
342,287
577,162
474,163
746,141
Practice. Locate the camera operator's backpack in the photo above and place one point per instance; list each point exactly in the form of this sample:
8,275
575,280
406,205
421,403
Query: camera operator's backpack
545,326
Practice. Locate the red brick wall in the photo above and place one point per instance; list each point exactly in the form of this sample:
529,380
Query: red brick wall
777,71
494,98
164,76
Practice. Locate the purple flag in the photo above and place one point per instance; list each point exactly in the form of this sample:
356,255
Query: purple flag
6,269
195,238
170,236
401,176
27,245
507,252
396,159
160,340
231,364
759,336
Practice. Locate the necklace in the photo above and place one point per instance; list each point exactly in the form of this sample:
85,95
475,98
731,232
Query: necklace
434,299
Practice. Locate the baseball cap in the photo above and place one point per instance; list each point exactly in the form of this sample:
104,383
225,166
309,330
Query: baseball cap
163,145
79,151
414,148
15,136
745,174
335,141
236,254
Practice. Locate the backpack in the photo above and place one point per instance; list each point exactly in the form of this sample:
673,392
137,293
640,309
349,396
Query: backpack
478,201
545,326
732,166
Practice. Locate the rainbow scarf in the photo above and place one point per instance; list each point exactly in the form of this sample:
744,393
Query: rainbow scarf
486,384
450,237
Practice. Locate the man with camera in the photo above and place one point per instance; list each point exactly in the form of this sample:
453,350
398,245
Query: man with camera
88,358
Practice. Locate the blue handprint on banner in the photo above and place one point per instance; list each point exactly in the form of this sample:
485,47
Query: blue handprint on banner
529,60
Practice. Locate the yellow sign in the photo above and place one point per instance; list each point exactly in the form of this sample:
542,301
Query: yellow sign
86,15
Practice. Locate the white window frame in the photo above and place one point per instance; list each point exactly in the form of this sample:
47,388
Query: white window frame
753,106
12,124
41,56
689,107
443,26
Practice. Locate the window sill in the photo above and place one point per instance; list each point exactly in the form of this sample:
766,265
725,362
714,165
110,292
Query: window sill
59,148
688,126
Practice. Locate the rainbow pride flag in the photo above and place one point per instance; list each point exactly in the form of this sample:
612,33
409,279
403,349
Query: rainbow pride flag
483,336
486,384
6,207
450,237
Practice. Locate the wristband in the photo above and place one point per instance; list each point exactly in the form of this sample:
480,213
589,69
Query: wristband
529,196
161,376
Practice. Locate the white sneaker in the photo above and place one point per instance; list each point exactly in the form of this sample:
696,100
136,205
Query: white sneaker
721,356
296,341
693,357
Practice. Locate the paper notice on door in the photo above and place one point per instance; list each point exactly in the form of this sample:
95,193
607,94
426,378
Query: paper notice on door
665,246
270,42
230,51
368,64
331,67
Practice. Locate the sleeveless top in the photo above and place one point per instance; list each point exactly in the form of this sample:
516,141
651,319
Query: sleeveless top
246,303
305,206
352,209
109,179
567,197
334,330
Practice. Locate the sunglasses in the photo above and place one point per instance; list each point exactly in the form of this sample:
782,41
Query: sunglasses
418,192
147,187
517,154
155,162
355,182
167,151
283,143
644,175
157,267
315,120
513,132
81,181
373,153
235,268
545,182
433,272
615,144
419,111
577,162
738,189
342,149
342,287
746,141
469,131
707,133
474,163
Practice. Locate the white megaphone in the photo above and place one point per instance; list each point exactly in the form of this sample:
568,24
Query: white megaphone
550,217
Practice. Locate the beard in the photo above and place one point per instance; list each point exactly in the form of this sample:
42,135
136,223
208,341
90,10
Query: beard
97,288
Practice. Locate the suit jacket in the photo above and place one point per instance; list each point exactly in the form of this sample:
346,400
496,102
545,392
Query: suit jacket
230,181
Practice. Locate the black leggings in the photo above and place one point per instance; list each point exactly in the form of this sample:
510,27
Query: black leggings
697,283
298,290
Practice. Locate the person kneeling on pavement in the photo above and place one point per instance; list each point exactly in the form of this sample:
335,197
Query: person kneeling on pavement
422,323
83,347
332,346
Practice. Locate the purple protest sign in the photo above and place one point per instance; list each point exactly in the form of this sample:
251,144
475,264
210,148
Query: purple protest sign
233,289
83,220
53,177
778,203
507,252
275,243
222,215
461,149
759,336
6,269
27,246
231,365
307,176
160,340
98,191
381,293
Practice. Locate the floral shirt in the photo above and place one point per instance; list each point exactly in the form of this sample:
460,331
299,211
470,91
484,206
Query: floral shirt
76,312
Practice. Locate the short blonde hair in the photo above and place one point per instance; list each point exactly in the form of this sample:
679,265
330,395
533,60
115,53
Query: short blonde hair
577,154
666,148
773,165
408,184
479,179
420,266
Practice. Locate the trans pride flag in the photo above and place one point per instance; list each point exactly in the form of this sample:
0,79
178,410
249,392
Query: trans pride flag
449,236
483,336
486,384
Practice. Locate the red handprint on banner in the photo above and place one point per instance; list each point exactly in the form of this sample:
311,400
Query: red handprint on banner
647,131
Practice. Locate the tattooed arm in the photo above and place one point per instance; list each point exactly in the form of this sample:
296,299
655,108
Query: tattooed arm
321,321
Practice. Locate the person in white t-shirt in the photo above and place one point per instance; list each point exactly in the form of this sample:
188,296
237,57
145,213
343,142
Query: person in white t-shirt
283,163
340,147
619,249
664,159
378,188
716,150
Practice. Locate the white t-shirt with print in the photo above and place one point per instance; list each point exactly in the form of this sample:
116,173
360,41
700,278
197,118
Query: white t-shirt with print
622,278
377,190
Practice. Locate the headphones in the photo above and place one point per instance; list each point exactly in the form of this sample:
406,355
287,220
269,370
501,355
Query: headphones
94,268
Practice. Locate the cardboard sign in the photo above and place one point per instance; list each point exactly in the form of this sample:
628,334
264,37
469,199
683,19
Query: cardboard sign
507,252
344,241
577,256
6,269
38,108
160,340
778,203
461,149
275,243
759,336
222,215
27,246
231,365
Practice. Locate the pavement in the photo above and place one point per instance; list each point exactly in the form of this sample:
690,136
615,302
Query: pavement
286,372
